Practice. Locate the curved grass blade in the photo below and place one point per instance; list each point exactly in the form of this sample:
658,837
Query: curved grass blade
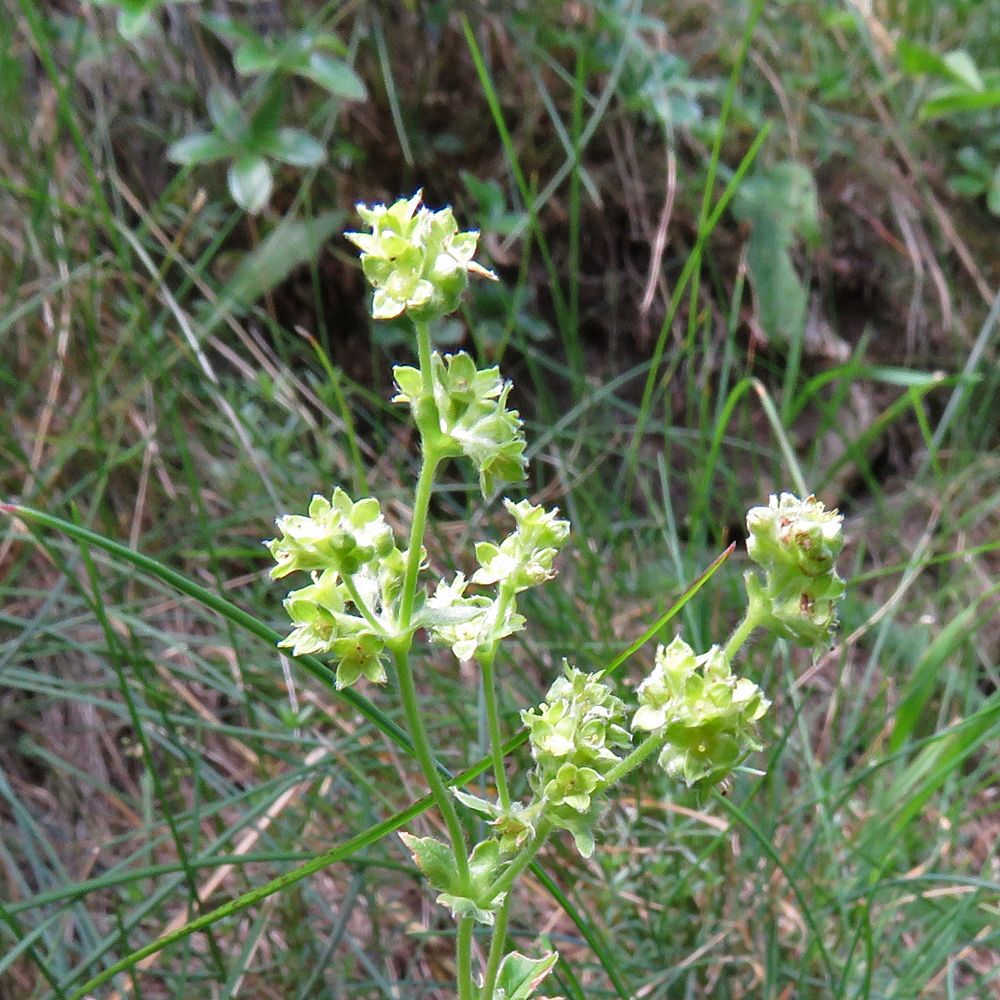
220,605
394,822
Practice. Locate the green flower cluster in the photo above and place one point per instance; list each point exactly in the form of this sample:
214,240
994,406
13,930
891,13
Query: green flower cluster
469,416
574,734
705,713
357,574
473,626
416,260
796,543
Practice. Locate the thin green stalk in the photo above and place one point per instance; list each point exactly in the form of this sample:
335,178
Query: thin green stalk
408,694
493,721
424,353
359,603
650,744
497,942
463,958
750,621
420,504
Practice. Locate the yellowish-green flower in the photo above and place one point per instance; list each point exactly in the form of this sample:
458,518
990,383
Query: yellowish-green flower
415,259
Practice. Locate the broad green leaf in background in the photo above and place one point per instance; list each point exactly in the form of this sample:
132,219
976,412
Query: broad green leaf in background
289,245
250,183
780,204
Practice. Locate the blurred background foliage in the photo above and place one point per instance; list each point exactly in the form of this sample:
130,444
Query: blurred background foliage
742,246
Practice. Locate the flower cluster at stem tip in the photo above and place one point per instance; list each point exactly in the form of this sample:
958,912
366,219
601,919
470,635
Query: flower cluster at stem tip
796,542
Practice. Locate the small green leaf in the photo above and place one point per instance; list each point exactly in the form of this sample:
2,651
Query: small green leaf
483,864
227,113
291,146
250,183
334,75
290,245
519,975
918,59
434,858
200,147
477,804
462,906
253,57
963,69
951,100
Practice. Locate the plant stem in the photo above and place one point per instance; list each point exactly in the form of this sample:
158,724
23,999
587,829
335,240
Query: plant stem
496,950
420,504
650,744
360,604
519,863
463,958
424,353
750,621
493,720
408,694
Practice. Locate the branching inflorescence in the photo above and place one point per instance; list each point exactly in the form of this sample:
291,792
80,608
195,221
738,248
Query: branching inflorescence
367,600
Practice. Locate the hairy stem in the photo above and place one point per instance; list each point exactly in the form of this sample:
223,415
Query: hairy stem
493,721
408,694
421,502
649,745
424,353
463,958
742,632
497,943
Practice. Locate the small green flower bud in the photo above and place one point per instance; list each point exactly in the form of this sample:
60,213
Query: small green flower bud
705,712
415,259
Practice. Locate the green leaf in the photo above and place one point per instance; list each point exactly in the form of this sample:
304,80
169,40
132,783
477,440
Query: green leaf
462,906
266,119
291,146
483,864
918,59
781,203
334,75
250,183
477,804
253,57
963,69
519,975
200,147
289,245
950,100
434,858
227,114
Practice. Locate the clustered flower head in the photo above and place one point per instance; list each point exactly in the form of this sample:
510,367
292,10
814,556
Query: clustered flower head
416,260
524,558
469,416
574,734
357,573
704,711
796,543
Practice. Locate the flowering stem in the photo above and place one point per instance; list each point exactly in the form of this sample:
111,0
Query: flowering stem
526,856
750,621
496,950
360,604
420,504
424,353
408,694
463,958
493,721
649,745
